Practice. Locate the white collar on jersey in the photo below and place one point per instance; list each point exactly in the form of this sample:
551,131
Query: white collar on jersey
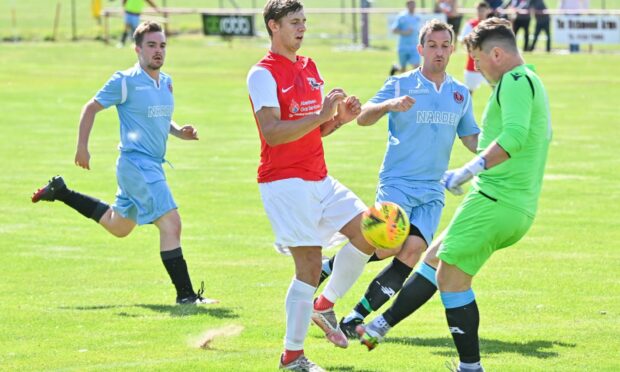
156,84
447,79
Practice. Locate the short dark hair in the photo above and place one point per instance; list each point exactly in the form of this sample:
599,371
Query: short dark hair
144,28
483,4
435,25
490,33
278,9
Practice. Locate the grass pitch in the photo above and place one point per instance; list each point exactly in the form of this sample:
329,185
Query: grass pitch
75,298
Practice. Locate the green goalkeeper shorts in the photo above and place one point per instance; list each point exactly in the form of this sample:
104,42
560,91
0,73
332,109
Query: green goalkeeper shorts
480,227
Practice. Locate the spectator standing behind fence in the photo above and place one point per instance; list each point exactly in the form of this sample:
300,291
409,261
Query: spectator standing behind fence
521,19
543,21
133,9
575,6
450,9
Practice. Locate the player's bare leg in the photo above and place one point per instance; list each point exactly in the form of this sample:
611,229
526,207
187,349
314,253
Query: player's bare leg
116,224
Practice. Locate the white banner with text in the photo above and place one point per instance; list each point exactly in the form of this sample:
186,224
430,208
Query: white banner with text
586,29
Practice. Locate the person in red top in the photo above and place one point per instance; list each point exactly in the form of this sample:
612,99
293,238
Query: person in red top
305,206
473,78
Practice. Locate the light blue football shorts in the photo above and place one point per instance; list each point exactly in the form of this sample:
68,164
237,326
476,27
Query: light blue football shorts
422,205
133,20
143,194
408,56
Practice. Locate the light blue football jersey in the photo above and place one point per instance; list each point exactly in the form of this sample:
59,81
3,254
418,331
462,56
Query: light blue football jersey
404,22
420,140
144,109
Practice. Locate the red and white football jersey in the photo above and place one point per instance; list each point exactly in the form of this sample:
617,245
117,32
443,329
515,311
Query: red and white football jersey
471,24
299,89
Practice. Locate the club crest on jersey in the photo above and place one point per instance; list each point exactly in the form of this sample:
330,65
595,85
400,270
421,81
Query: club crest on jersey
314,84
293,107
458,97
170,87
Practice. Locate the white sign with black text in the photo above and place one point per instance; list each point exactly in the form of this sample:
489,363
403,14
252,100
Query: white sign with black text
587,29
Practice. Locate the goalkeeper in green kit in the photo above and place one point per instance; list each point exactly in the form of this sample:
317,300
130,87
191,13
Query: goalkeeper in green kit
507,179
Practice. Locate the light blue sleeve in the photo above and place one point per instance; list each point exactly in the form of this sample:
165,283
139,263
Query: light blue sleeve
388,91
112,92
467,125
397,24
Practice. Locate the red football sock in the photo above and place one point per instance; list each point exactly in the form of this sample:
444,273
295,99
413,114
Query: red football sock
290,355
321,303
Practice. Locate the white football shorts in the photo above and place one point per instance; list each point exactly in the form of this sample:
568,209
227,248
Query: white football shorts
308,213
474,79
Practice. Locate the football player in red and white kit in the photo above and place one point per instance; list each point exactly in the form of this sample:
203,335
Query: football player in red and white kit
473,78
304,204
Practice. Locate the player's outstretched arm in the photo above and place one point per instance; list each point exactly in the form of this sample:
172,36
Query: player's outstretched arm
372,112
186,132
471,142
87,120
492,156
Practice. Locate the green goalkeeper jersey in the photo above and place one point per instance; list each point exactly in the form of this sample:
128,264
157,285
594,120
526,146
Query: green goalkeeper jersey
517,117
134,6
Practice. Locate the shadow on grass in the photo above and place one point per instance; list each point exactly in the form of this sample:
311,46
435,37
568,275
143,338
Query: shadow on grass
348,369
536,348
185,310
172,310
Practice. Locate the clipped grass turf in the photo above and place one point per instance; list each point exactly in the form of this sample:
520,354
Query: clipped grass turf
75,298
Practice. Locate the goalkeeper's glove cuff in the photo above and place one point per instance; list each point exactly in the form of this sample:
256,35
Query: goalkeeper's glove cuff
476,165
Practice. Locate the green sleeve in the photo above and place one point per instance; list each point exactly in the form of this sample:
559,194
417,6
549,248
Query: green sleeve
515,97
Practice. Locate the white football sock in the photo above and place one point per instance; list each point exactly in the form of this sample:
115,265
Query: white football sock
379,325
298,311
470,366
348,266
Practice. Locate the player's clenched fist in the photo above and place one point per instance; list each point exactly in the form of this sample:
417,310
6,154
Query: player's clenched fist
188,132
401,104
348,110
331,102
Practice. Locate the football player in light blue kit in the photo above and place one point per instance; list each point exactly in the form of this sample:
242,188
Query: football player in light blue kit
407,27
426,110
143,98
